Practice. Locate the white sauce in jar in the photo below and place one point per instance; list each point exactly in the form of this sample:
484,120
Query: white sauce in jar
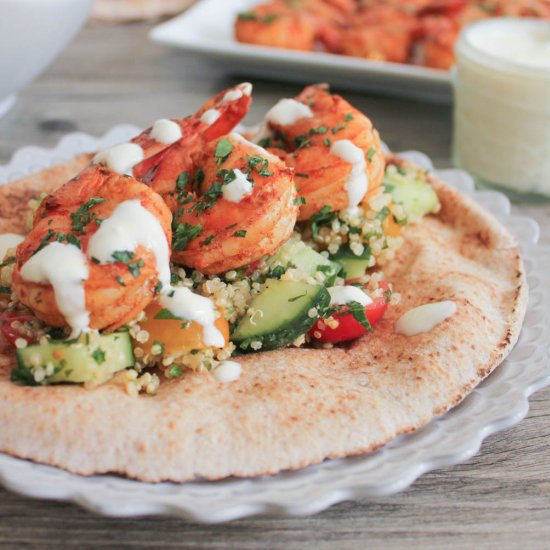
65,268
342,295
120,158
502,110
237,189
166,131
228,371
9,241
424,318
210,116
357,184
288,111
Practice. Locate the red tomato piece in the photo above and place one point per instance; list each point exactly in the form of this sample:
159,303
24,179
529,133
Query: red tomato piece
8,331
348,327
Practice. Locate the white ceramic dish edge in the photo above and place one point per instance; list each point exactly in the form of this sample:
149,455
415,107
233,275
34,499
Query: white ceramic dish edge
206,29
499,402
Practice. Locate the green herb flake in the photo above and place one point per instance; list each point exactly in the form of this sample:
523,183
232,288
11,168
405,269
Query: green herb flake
248,16
98,355
82,217
223,149
295,298
240,233
175,371
123,256
207,241
135,267
120,281
5,289
184,233
383,214
167,314
300,200
358,312
370,154
182,181
323,217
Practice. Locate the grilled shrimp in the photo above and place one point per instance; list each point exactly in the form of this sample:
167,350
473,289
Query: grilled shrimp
237,205
333,148
215,118
114,292
277,25
379,33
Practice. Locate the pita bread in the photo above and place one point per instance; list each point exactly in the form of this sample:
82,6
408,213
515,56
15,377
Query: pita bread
293,407
118,11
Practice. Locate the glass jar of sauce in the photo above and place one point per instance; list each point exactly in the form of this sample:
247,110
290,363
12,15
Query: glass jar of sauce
502,105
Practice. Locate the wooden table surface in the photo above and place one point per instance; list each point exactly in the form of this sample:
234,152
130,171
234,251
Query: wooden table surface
498,499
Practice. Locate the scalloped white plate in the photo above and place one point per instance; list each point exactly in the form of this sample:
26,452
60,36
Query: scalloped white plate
497,403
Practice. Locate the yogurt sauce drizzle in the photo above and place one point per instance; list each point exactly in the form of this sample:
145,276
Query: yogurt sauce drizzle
260,150
65,267
166,131
131,225
7,242
210,116
237,189
424,318
358,181
288,111
120,158
228,371
342,295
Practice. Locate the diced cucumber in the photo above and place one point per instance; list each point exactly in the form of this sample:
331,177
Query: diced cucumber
301,256
354,266
415,195
281,313
91,358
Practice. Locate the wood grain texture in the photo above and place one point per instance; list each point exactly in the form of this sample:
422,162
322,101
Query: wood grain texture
499,499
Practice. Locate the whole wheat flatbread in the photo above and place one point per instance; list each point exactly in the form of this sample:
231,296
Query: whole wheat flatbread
118,11
292,407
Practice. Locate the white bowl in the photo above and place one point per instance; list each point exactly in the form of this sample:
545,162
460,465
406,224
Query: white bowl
32,34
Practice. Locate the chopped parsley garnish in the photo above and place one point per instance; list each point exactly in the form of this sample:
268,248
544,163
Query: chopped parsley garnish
135,267
175,371
45,240
5,289
370,154
207,241
8,261
323,217
98,355
259,164
119,280
184,233
301,175
81,218
358,312
302,141
300,200
297,297
327,142
167,314
349,117
383,214
277,272
223,149
123,256
182,181
72,239
240,233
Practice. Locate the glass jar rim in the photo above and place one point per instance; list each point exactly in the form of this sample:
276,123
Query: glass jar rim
467,48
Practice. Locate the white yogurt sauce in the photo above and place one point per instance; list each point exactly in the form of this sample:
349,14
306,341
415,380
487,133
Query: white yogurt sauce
210,116
131,225
246,88
288,111
424,318
228,371
237,189
9,241
65,268
183,303
342,295
358,181
120,158
166,131
232,95
518,43
128,226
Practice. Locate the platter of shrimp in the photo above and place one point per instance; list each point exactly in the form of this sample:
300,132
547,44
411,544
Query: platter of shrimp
398,47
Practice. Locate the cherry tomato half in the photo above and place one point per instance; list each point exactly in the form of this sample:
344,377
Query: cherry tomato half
8,331
348,328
